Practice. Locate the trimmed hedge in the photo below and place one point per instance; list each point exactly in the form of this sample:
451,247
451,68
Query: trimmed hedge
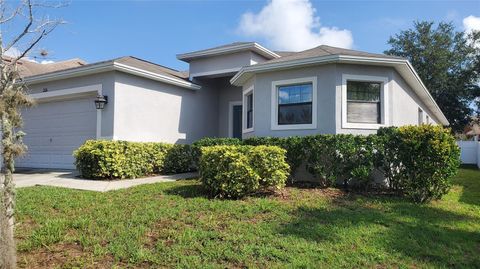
419,161
212,141
343,158
237,171
105,159
294,145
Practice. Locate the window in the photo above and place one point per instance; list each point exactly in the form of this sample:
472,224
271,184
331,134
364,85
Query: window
248,111
294,104
428,119
363,102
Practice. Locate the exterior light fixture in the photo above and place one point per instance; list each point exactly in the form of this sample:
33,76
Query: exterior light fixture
100,101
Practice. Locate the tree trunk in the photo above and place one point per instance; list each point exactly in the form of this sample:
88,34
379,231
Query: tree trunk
7,197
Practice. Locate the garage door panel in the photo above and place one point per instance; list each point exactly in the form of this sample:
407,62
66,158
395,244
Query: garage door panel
55,129
36,138
38,124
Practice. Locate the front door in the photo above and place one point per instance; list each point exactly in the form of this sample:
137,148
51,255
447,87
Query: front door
237,121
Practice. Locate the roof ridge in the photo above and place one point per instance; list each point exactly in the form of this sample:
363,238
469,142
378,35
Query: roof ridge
322,47
146,61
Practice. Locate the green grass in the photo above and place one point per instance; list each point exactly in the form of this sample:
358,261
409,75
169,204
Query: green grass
175,225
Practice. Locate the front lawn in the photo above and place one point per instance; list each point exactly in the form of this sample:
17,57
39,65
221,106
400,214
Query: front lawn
175,225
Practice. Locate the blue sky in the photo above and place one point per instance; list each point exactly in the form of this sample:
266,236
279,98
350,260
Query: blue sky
158,30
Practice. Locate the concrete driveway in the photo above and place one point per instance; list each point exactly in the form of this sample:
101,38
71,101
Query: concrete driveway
70,179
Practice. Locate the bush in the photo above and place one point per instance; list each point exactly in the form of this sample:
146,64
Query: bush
105,159
179,159
295,147
237,171
344,158
417,161
158,155
420,160
212,141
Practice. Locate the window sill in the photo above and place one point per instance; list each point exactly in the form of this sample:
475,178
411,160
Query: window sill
246,131
370,126
294,127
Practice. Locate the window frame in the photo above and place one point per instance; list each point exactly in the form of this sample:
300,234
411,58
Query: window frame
274,104
245,94
384,101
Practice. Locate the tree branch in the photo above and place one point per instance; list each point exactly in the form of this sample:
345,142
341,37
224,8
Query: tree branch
26,29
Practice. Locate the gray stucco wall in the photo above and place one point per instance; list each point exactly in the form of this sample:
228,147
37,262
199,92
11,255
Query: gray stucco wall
105,79
220,63
403,103
325,99
147,110
406,103
227,93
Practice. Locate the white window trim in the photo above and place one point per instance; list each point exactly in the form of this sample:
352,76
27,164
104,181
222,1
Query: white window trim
244,110
274,105
383,102
230,116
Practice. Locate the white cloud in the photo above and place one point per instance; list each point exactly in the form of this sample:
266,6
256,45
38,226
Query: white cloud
292,25
12,52
15,52
471,23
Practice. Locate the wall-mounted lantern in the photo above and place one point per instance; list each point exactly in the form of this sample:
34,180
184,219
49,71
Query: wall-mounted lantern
100,101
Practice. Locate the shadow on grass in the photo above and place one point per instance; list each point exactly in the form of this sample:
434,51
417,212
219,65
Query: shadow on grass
188,191
469,179
422,233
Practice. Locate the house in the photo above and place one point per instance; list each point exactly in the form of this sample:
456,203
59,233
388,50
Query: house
237,90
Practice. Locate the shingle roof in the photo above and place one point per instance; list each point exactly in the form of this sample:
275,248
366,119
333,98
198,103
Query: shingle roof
226,46
28,68
133,62
127,64
324,50
151,67
227,49
285,53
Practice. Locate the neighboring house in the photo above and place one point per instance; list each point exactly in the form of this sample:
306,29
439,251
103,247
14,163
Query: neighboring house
236,90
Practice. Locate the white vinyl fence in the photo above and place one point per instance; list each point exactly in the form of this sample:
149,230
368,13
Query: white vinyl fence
470,152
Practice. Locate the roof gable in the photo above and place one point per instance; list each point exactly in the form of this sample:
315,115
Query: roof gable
127,64
228,49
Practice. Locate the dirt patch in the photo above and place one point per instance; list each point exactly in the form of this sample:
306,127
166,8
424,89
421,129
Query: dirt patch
292,193
153,235
66,255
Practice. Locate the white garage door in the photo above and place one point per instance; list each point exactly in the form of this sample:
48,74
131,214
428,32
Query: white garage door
55,129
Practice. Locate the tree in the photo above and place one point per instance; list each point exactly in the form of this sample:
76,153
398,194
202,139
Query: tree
447,61
13,98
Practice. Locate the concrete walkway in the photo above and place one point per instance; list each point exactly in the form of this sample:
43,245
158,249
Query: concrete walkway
70,179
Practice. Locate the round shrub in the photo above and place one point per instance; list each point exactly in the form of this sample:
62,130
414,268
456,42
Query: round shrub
237,171
211,141
424,159
269,162
295,147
